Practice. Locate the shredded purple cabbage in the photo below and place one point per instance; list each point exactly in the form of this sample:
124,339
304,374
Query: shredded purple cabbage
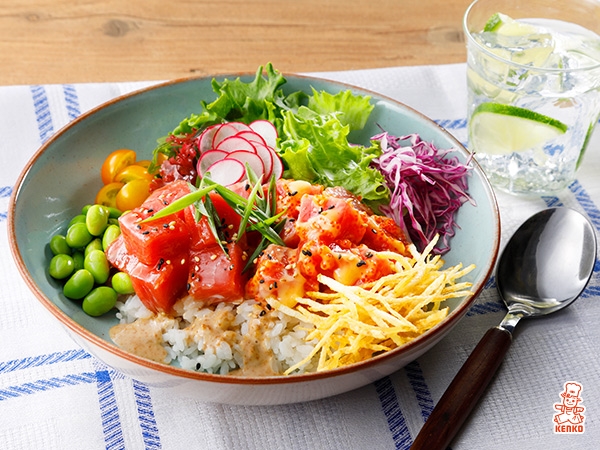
427,187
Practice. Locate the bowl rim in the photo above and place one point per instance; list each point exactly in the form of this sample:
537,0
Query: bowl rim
434,333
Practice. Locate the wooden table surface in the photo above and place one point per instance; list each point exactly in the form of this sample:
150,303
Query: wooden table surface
64,41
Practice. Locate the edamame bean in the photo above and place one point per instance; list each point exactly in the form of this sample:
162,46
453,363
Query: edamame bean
61,266
99,301
96,244
78,235
121,283
96,219
59,246
110,234
113,213
96,263
79,218
78,258
85,209
79,285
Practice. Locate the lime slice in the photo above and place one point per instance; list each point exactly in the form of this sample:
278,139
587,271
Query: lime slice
516,41
507,26
497,129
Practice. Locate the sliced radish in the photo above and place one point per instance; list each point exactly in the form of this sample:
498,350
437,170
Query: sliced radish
267,130
277,171
204,142
224,131
227,171
252,160
240,126
251,136
208,158
235,143
267,158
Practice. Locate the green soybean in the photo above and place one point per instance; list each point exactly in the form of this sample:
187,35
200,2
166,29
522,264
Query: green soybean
85,209
61,266
96,263
112,232
95,244
79,218
78,258
113,213
121,283
99,301
78,235
96,219
79,285
59,246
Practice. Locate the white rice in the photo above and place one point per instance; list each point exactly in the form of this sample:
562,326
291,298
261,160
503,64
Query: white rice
220,338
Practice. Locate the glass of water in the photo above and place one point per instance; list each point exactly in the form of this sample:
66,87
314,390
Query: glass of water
533,82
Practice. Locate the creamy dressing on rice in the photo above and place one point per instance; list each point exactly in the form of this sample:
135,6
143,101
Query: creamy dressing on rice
243,339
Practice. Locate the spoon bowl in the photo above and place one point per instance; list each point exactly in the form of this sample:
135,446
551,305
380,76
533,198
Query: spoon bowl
547,263
545,266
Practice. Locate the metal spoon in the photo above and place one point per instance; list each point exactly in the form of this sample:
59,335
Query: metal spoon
544,267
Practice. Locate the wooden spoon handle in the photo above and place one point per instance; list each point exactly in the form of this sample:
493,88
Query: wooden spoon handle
465,390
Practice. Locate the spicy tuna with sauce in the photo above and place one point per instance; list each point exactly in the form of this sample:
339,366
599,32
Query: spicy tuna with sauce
327,231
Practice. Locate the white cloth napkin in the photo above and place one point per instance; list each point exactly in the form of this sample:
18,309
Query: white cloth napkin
54,395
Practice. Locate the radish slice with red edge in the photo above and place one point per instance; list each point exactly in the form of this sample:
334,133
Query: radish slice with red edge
250,159
251,136
240,126
267,130
208,158
235,143
204,141
266,155
227,171
277,171
224,131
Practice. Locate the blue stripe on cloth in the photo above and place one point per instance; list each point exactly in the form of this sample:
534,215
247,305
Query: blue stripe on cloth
42,360
393,413
42,112
485,308
452,124
5,192
72,101
109,411
47,384
146,417
552,201
417,382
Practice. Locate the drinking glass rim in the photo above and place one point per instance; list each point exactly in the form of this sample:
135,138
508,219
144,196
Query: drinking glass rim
487,51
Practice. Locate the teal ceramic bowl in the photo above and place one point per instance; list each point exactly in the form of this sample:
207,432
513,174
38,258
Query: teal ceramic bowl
64,175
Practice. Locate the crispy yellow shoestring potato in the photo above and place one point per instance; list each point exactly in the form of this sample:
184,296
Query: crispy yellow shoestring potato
353,323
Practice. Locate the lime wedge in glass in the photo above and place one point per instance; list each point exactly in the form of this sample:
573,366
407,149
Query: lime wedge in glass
497,129
516,41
